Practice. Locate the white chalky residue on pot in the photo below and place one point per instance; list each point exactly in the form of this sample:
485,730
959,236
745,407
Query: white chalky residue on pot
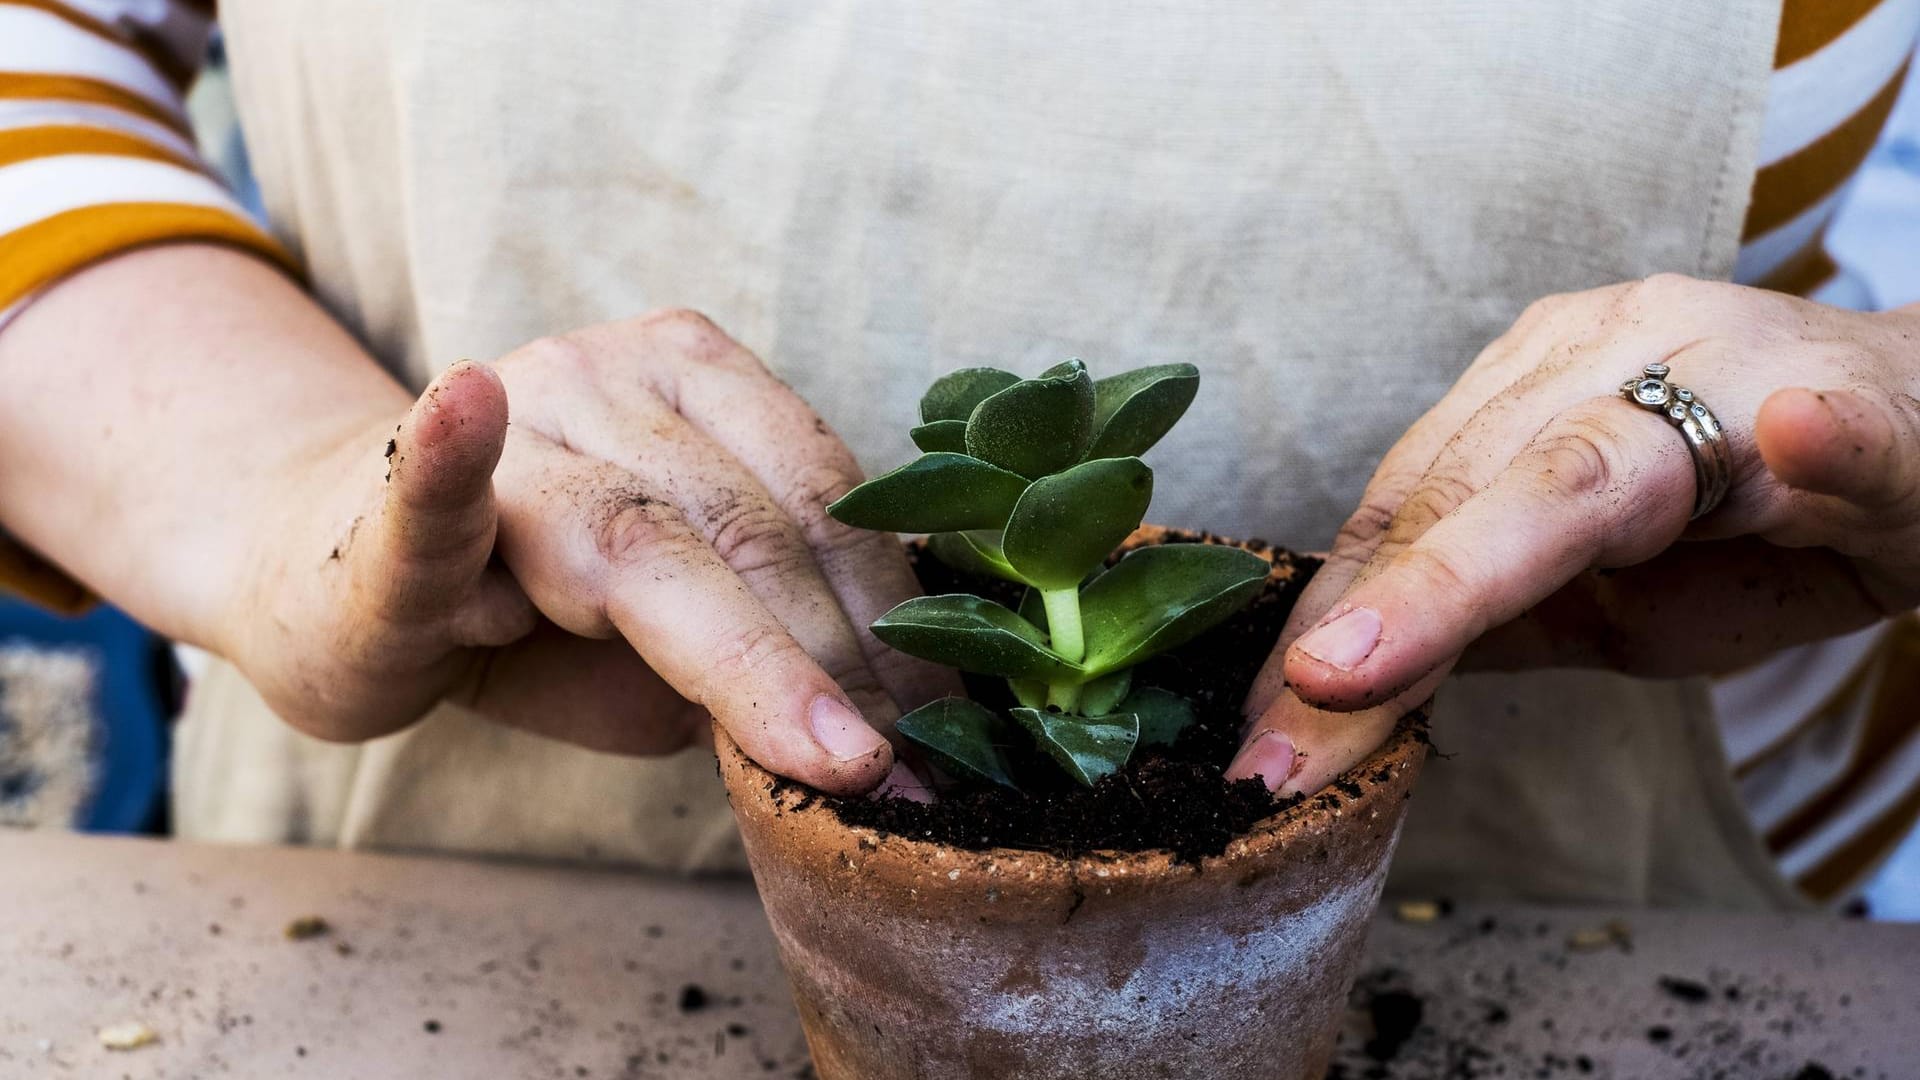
1186,964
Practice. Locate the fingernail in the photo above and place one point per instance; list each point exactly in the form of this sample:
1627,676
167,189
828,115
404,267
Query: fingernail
1344,642
1269,757
840,731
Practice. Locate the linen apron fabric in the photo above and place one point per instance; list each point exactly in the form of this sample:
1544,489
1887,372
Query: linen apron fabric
1329,207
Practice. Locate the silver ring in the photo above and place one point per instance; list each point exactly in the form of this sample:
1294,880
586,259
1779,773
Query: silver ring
1712,460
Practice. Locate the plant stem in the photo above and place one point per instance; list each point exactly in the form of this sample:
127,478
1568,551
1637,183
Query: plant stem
1064,631
1063,696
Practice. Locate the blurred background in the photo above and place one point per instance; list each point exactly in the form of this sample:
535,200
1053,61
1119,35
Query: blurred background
86,702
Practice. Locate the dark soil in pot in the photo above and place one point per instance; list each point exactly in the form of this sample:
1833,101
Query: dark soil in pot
1167,798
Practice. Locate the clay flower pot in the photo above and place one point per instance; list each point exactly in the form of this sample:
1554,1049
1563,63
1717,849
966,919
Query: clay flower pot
916,960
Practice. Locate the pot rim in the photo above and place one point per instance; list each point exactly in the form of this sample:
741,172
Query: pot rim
907,859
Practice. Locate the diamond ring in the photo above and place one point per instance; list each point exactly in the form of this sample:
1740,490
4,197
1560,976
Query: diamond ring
1712,460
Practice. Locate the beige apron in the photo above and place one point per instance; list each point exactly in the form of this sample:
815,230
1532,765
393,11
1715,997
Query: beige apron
1328,207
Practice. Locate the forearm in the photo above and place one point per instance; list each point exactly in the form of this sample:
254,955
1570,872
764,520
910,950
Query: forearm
153,402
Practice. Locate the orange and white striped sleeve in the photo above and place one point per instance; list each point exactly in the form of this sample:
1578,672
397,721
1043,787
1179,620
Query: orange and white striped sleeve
1838,69
95,152
96,157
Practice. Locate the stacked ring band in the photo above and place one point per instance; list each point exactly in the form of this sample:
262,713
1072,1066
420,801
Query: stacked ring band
1712,460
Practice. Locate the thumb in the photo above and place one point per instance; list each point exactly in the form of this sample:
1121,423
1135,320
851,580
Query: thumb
435,528
1840,443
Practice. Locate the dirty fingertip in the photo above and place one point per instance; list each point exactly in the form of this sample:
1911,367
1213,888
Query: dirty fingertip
1270,758
859,756
841,731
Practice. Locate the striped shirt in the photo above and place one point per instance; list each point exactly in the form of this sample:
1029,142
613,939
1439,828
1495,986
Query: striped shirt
96,156
1838,68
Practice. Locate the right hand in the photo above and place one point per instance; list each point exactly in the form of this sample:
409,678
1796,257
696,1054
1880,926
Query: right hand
645,545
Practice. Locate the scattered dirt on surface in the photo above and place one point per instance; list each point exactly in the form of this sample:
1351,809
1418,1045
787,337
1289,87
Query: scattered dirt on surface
1172,798
1687,990
307,927
1482,1023
1396,1016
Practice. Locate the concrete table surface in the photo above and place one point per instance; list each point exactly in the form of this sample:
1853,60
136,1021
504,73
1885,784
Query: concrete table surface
437,967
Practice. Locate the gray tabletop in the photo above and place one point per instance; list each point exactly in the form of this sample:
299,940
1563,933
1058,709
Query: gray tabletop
444,967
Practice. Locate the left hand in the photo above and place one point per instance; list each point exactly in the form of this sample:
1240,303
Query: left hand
1530,518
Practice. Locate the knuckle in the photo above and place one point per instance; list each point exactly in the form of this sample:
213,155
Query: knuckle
1367,525
682,321
819,483
810,489
1676,293
554,352
1438,494
1620,302
754,537
1347,560
1542,310
846,553
854,676
696,338
753,652
1554,309
1579,457
1903,420
641,530
1438,570
1666,283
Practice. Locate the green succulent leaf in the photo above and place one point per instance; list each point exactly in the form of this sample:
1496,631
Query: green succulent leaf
1088,748
1160,597
1163,714
954,396
1036,426
976,551
1067,524
1133,409
1104,694
941,436
962,737
973,634
937,492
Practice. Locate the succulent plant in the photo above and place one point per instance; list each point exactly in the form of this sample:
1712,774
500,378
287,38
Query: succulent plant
1037,481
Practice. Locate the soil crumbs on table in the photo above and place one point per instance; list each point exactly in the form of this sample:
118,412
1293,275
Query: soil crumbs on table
1718,1026
1173,798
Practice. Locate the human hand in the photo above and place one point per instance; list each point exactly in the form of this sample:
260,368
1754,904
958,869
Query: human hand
1530,518
645,545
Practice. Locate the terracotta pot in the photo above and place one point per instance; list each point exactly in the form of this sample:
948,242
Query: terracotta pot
916,960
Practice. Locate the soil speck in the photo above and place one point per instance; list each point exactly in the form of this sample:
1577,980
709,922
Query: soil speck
306,927
1686,990
1396,1014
